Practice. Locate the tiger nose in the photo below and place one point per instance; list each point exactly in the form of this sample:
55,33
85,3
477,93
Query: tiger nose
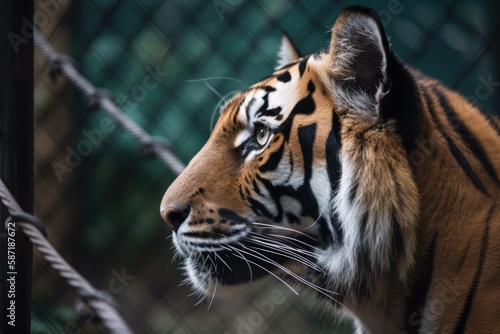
174,217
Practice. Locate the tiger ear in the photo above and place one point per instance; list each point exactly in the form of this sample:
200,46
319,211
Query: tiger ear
288,52
360,58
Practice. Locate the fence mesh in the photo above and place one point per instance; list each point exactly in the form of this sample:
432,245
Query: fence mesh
168,64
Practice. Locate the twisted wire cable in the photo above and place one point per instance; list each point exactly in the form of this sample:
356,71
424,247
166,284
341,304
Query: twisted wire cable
99,301
63,64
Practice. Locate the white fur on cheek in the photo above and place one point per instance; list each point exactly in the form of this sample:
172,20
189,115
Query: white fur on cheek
341,263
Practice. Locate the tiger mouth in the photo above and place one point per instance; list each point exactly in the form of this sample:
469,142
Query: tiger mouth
230,268
245,261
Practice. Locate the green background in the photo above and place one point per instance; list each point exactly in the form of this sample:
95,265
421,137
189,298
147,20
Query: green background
201,51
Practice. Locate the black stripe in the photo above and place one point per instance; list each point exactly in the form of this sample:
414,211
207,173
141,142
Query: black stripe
284,77
236,113
311,87
304,193
271,112
292,167
462,258
273,161
338,229
362,288
402,103
264,106
231,215
324,234
247,110
275,192
246,147
363,226
260,209
455,151
332,151
242,195
305,106
247,191
216,233
256,188
292,219
494,122
464,316
282,68
302,66
467,137
307,136
334,169
416,300
352,192
397,243
362,250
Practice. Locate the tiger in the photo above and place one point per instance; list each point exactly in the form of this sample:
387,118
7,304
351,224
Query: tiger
353,175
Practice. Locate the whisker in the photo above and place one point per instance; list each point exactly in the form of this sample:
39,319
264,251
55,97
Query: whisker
215,290
288,253
205,260
248,264
203,297
220,258
185,281
283,228
212,89
204,292
278,245
325,205
270,272
213,297
266,237
319,289
217,78
304,262
176,256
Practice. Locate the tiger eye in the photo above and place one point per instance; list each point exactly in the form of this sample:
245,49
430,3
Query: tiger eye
262,136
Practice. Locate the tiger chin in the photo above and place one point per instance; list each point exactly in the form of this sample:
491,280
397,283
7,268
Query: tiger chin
356,176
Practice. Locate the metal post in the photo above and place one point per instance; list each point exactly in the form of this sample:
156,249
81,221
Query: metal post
16,159
494,7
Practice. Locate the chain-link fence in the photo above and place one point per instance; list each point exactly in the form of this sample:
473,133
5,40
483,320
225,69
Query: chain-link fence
167,64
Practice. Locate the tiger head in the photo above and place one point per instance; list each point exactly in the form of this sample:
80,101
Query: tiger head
267,193
310,176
